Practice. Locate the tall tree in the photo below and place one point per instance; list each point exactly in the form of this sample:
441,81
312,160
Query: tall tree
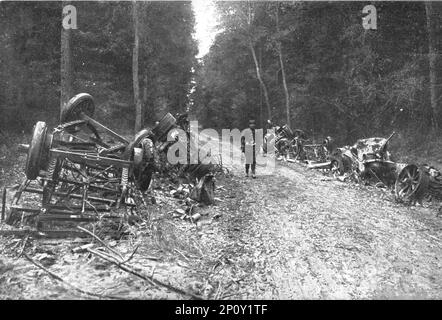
432,59
281,62
135,78
250,15
66,68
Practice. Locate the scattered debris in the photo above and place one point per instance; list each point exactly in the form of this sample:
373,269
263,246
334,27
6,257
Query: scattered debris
204,191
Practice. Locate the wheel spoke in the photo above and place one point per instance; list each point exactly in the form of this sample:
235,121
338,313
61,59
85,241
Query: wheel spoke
416,175
408,174
404,189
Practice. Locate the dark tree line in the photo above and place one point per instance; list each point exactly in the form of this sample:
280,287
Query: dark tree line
101,63
308,64
313,65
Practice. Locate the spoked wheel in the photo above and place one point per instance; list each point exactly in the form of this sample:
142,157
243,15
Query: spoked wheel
164,126
283,146
38,151
81,103
411,184
268,145
337,165
294,151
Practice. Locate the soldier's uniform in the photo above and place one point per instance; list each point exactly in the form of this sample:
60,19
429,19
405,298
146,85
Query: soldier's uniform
250,141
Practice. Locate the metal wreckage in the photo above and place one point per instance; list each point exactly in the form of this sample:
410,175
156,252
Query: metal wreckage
367,160
82,171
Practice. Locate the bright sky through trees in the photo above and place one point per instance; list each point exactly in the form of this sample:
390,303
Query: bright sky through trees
205,28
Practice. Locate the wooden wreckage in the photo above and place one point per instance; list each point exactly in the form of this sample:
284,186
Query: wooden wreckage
82,171
368,160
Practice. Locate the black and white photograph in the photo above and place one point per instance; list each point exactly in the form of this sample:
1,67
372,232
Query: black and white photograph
233,151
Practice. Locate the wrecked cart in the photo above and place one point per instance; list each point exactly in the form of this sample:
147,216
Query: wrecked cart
82,171
367,159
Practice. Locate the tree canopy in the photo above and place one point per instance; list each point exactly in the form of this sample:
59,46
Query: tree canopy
342,79
101,58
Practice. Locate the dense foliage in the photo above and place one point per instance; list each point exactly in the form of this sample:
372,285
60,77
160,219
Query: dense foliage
101,57
311,64
342,80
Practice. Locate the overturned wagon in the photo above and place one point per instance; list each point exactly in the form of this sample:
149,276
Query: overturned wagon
292,144
366,159
82,170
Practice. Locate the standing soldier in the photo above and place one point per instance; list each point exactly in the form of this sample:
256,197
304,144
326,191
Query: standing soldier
248,139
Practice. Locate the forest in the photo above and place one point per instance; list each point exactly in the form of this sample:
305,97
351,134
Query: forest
309,64
313,65
100,51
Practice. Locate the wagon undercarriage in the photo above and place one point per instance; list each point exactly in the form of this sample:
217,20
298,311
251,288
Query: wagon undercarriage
83,171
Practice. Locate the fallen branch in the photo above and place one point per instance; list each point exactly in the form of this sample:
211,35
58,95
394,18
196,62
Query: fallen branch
131,255
218,292
50,234
119,264
58,278
149,279
101,241
25,241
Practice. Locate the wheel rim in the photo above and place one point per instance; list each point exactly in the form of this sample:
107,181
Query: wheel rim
335,166
37,153
409,183
81,103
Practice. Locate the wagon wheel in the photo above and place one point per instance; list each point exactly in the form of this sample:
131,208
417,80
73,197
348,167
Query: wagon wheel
411,184
38,151
163,127
337,165
294,150
283,146
81,103
269,141
299,152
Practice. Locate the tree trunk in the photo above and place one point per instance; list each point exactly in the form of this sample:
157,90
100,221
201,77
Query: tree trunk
261,118
257,66
284,82
66,70
136,83
261,82
432,58
145,103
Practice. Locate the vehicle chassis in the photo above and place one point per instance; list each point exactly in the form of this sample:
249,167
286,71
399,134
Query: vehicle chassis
83,171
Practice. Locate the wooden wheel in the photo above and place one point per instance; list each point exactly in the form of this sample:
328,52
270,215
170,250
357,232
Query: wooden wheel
283,146
411,184
81,103
163,127
269,141
337,165
37,151
297,150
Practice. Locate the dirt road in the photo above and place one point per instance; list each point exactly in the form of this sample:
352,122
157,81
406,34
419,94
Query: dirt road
312,237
